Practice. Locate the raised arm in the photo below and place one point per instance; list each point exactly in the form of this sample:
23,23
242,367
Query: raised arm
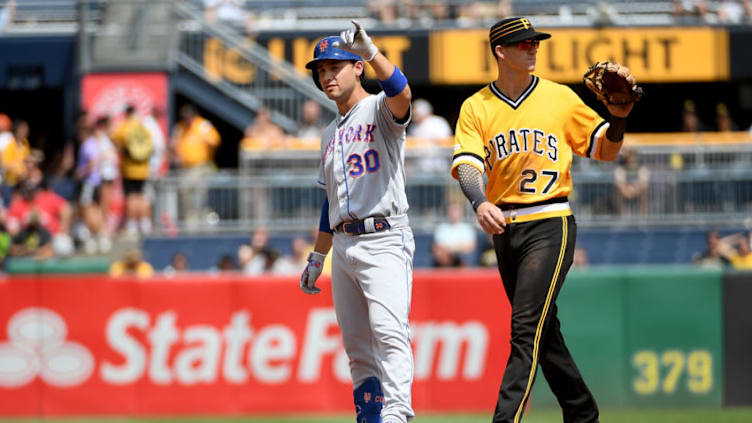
391,79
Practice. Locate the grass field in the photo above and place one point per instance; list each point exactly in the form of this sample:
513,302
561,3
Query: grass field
727,415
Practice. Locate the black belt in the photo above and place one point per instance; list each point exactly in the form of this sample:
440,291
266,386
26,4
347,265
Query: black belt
358,227
515,206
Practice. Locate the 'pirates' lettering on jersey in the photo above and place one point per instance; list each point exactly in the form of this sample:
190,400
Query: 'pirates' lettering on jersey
525,145
522,141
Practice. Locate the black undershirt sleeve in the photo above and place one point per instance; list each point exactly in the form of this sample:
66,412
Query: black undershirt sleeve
616,128
471,183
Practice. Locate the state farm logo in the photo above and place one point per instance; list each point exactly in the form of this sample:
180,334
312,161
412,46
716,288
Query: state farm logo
157,348
37,347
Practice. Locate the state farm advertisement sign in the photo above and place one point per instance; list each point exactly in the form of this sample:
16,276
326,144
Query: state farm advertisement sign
230,345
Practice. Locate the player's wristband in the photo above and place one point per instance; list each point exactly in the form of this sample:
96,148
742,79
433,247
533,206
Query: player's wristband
324,221
394,84
616,128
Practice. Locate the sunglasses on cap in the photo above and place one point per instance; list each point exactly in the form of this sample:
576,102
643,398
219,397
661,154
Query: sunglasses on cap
525,45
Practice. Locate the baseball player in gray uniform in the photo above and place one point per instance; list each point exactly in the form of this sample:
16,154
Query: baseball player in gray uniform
364,216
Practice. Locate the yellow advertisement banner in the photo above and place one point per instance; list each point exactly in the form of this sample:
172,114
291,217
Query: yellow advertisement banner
653,54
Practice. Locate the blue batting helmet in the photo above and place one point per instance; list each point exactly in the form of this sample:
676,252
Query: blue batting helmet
325,50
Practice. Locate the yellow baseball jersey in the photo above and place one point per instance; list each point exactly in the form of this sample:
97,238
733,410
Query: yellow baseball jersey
525,145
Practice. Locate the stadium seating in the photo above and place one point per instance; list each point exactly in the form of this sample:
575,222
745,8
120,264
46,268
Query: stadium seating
622,246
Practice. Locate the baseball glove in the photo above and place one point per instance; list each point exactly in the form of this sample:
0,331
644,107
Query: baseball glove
612,83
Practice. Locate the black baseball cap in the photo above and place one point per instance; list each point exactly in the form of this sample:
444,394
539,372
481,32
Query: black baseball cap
514,30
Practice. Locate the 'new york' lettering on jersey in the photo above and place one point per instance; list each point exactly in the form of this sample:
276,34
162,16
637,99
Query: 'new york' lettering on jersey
366,144
526,145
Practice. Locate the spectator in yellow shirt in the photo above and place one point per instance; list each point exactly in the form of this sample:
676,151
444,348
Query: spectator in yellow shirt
263,134
741,258
15,151
195,139
131,265
134,143
193,144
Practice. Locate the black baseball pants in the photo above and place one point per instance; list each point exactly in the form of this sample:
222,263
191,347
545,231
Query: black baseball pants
534,258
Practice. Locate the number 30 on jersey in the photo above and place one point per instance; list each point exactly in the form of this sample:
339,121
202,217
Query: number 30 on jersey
368,162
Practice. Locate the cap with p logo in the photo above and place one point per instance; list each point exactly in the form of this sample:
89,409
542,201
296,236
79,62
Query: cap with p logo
513,30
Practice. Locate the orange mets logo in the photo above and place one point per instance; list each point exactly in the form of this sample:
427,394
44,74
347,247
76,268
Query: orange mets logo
366,397
323,45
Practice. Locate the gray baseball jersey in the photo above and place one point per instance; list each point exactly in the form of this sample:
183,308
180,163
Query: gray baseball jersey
362,163
362,171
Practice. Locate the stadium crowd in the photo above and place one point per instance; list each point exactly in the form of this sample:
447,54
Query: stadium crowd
252,16
85,197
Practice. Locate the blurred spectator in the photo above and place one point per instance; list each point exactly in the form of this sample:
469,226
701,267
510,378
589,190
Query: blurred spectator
311,127
5,128
15,151
453,242
7,14
505,9
690,119
580,258
132,264
384,11
427,11
734,11
34,174
88,173
5,243
427,125
229,12
136,148
442,257
715,253
62,162
296,261
723,122
565,14
194,141
58,208
33,240
734,250
108,167
158,164
632,180
602,14
14,155
689,12
258,257
226,264
51,211
741,257
178,264
474,12
6,137
262,134
430,131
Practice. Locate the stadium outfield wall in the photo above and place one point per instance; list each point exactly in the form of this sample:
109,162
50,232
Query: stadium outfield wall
227,344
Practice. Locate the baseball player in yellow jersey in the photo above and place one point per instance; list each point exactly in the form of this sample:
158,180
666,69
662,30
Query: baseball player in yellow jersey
522,131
